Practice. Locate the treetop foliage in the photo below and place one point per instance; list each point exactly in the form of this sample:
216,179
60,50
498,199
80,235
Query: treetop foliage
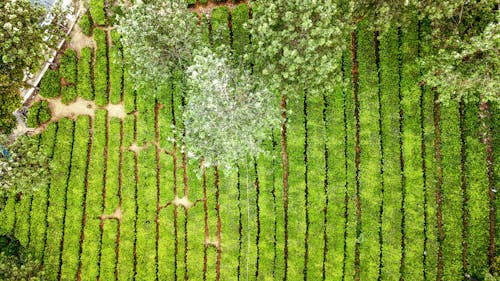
297,44
159,38
228,113
25,169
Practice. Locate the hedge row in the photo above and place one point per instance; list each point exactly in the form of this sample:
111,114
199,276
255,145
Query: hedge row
101,68
391,217
92,233
316,193
38,113
452,193
146,201
84,86
86,23
241,36
50,86
59,167
97,11
477,180
75,196
115,69
39,205
220,27
370,178
350,151
335,145
112,201
296,191
126,259
412,142
67,69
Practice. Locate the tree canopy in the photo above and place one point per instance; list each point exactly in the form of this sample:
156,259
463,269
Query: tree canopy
23,169
228,114
158,39
24,41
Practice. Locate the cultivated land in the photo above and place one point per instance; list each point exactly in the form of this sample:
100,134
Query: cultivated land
384,182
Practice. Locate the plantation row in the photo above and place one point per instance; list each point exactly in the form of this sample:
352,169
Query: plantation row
384,183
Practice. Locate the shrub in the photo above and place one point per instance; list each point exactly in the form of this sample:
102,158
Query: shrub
86,24
68,66
84,85
50,86
68,94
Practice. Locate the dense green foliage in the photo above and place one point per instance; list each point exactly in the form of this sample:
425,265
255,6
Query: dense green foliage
16,263
10,99
24,170
227,114
154,53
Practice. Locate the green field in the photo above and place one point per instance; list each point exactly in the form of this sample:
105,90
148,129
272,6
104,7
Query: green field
385,184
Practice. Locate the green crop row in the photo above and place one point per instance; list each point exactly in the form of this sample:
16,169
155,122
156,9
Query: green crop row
115,69
241,36
146,117
146,201
452,193
220,27
125,264
296,190
59,167
112,200
68,94
97,11
348,267
166,243
335,145
84,86
101,68
391,216
86,23
75,197
477,180
94,204
38,215
412,142
67,69
39,113
50,86
370,180
316,175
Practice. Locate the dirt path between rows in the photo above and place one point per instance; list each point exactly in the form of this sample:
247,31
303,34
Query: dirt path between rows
206,9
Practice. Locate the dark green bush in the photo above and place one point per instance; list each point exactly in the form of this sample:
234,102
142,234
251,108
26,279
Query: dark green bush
50,86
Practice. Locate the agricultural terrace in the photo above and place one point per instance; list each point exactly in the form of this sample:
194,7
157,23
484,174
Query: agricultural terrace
384,182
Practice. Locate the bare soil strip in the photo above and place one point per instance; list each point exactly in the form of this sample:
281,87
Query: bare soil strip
306,189
346,173
325,188
136,174
357,261
206,9
79,107
286,171
240,224
158,187
80,40
207,234
257,238
463,181
401,157
61,245
84,217
439,184
381,143
219,225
